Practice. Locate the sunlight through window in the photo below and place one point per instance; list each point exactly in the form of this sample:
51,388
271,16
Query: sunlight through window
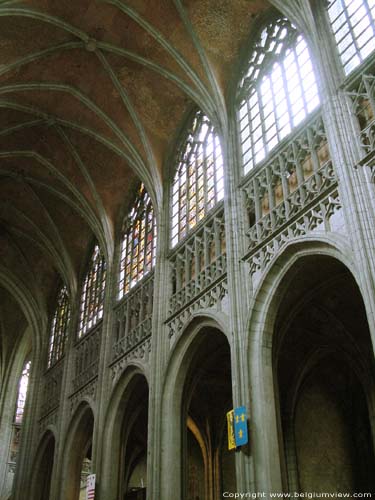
138,245
277,93
353,24
198,184
91,308
59,328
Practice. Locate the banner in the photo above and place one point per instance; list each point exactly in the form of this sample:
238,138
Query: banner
240,426
231,441
90,487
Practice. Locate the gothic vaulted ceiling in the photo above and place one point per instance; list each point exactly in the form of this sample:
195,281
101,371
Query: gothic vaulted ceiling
91,95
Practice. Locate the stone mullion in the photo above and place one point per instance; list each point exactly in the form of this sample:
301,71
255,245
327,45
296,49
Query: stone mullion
370,94
141,293
217,238
299,172
195,256
314,157
207,238
187,255
257,201
284,184
271,194
127,318
177,264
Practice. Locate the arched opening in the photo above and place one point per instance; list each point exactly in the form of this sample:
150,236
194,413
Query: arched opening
322,359
78,455
133,471
86,469
125,439
41,484
208,469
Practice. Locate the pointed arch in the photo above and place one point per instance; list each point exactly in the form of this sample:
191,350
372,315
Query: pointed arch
276,92
92,297
43,468
125,447
59,327
77,444
138,242
264,318
198,183
201,352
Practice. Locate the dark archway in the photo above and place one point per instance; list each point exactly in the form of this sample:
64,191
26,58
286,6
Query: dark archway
323,369
43,469
208,469
133,484
125,442
77,455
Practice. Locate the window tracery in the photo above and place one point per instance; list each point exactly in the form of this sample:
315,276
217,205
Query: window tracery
198,184
92,299
22,393
138,246
59,327
277,92
353,25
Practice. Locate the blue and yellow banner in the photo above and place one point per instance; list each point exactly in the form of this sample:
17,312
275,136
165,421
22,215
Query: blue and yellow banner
240,426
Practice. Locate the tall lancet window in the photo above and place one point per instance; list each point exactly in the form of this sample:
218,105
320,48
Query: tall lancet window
277,91
138,245
198,184
59,327
92,299
22,393
353,24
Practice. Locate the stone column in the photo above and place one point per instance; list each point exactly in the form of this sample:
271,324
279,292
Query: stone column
29,432
240,294
341,125
160,482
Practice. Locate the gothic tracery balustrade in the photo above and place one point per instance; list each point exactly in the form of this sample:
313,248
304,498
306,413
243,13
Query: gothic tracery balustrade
362,94
52,381
87,357
297,174
133,317
199,262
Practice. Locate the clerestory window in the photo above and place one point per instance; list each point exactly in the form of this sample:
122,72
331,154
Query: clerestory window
277,91
353,24
59,327
92,298
138,246
198,184
22,393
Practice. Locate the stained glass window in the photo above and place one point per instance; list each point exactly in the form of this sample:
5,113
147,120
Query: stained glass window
59,327
92,299
198,183
22,393
353,24
138,245
277,92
